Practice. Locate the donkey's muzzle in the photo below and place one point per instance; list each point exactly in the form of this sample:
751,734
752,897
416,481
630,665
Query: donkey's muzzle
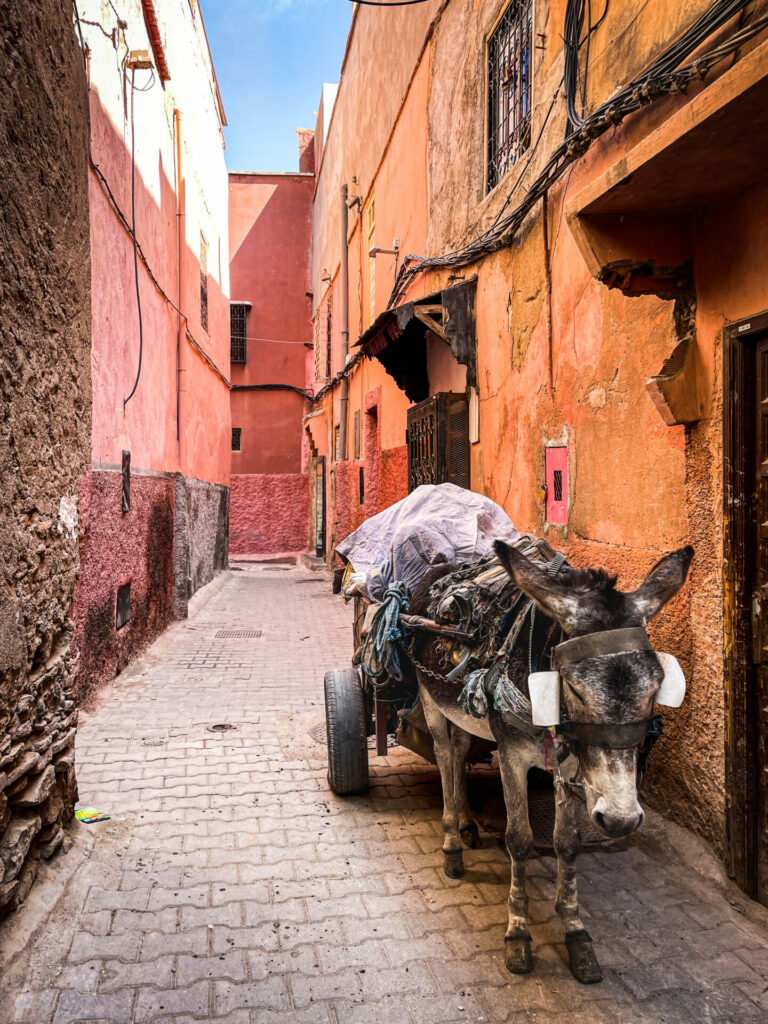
613,824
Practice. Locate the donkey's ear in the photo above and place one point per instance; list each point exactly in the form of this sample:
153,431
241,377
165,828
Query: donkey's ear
662,583
549,595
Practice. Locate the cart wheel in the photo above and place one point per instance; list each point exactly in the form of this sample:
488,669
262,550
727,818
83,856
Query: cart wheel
346,731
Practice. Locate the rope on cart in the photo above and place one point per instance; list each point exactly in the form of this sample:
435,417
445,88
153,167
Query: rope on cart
379,659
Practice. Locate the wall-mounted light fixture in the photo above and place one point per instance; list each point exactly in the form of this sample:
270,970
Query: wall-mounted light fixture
376,250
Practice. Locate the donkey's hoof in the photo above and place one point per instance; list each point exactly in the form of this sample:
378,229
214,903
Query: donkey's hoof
517,954
470,836
454,863
582,959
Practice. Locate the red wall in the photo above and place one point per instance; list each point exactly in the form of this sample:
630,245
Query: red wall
269,513
269,244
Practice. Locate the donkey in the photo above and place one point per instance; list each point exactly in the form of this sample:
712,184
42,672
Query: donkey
609,677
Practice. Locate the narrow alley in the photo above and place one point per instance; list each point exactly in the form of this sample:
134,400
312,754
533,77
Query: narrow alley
229,884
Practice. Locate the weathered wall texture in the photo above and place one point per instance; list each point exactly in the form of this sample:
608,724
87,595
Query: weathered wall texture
562,358
116,548
176,423
45,394
270,513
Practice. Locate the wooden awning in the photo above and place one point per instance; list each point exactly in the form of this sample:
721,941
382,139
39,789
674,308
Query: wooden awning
398,337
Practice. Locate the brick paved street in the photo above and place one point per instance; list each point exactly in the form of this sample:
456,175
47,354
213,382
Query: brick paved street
230,885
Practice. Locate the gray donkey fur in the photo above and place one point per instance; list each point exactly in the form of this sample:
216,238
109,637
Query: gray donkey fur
616,689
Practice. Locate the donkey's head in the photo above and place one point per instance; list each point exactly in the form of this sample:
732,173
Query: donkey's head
604,694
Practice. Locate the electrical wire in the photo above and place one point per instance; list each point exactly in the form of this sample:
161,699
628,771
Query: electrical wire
665,76
135,246
394,3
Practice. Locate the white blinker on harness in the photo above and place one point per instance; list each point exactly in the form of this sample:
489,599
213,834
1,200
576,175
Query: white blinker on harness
544,687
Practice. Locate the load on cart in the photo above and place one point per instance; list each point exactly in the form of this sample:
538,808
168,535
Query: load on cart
385,559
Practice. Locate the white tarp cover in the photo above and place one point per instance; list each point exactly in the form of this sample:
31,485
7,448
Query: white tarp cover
435,524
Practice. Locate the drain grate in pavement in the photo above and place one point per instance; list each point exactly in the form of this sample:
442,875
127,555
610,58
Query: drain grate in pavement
238,634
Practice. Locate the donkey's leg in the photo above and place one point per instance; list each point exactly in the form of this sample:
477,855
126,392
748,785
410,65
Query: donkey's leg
581,955
441,735
467,828
519,839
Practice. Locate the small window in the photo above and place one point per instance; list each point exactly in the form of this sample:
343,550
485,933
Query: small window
126,477
357,434
123,608
509,89
237,439
556,473
238,315
203,282
361,485
337,442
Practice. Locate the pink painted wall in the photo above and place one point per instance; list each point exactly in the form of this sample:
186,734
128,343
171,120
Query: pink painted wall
270,237
269,513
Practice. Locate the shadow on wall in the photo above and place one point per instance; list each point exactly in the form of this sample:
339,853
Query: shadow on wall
173,539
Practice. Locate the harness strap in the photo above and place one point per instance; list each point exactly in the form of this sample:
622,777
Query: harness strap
598,734
594,645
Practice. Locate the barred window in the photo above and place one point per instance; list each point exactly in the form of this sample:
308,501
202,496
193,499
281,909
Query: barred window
203,282
238,315
237,439
510,55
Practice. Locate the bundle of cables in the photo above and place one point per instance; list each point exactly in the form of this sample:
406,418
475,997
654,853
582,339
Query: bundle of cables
663,77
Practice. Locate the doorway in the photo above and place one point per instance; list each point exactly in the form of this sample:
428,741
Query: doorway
746,601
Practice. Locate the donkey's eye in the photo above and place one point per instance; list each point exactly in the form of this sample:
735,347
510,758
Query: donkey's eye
575,693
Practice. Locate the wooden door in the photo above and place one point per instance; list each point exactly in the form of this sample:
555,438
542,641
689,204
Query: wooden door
757,514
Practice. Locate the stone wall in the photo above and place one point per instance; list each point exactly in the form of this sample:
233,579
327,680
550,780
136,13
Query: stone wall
45,403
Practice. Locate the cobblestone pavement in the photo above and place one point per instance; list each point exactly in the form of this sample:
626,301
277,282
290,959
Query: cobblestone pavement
230,885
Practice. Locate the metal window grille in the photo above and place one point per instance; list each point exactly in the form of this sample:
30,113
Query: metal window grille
237,439
238,315
558,484
510,55
203,282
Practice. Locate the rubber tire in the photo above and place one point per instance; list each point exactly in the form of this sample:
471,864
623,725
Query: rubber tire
346,732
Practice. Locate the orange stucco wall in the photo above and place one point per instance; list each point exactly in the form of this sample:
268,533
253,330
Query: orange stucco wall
561,358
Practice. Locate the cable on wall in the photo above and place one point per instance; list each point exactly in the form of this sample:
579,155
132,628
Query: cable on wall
664,77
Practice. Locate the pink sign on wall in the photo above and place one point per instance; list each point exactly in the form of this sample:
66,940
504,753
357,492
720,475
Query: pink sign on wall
556,475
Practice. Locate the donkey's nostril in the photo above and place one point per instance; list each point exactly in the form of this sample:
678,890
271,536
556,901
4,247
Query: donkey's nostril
599,820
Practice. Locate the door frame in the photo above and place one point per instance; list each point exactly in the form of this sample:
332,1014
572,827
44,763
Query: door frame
740,780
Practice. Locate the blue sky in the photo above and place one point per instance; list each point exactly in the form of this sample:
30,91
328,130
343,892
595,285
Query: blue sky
272,57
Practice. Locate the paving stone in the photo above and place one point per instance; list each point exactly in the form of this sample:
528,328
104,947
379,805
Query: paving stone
193,941
116,975
78,1006
150,1004
190,969
270,994
251,895
35,1007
